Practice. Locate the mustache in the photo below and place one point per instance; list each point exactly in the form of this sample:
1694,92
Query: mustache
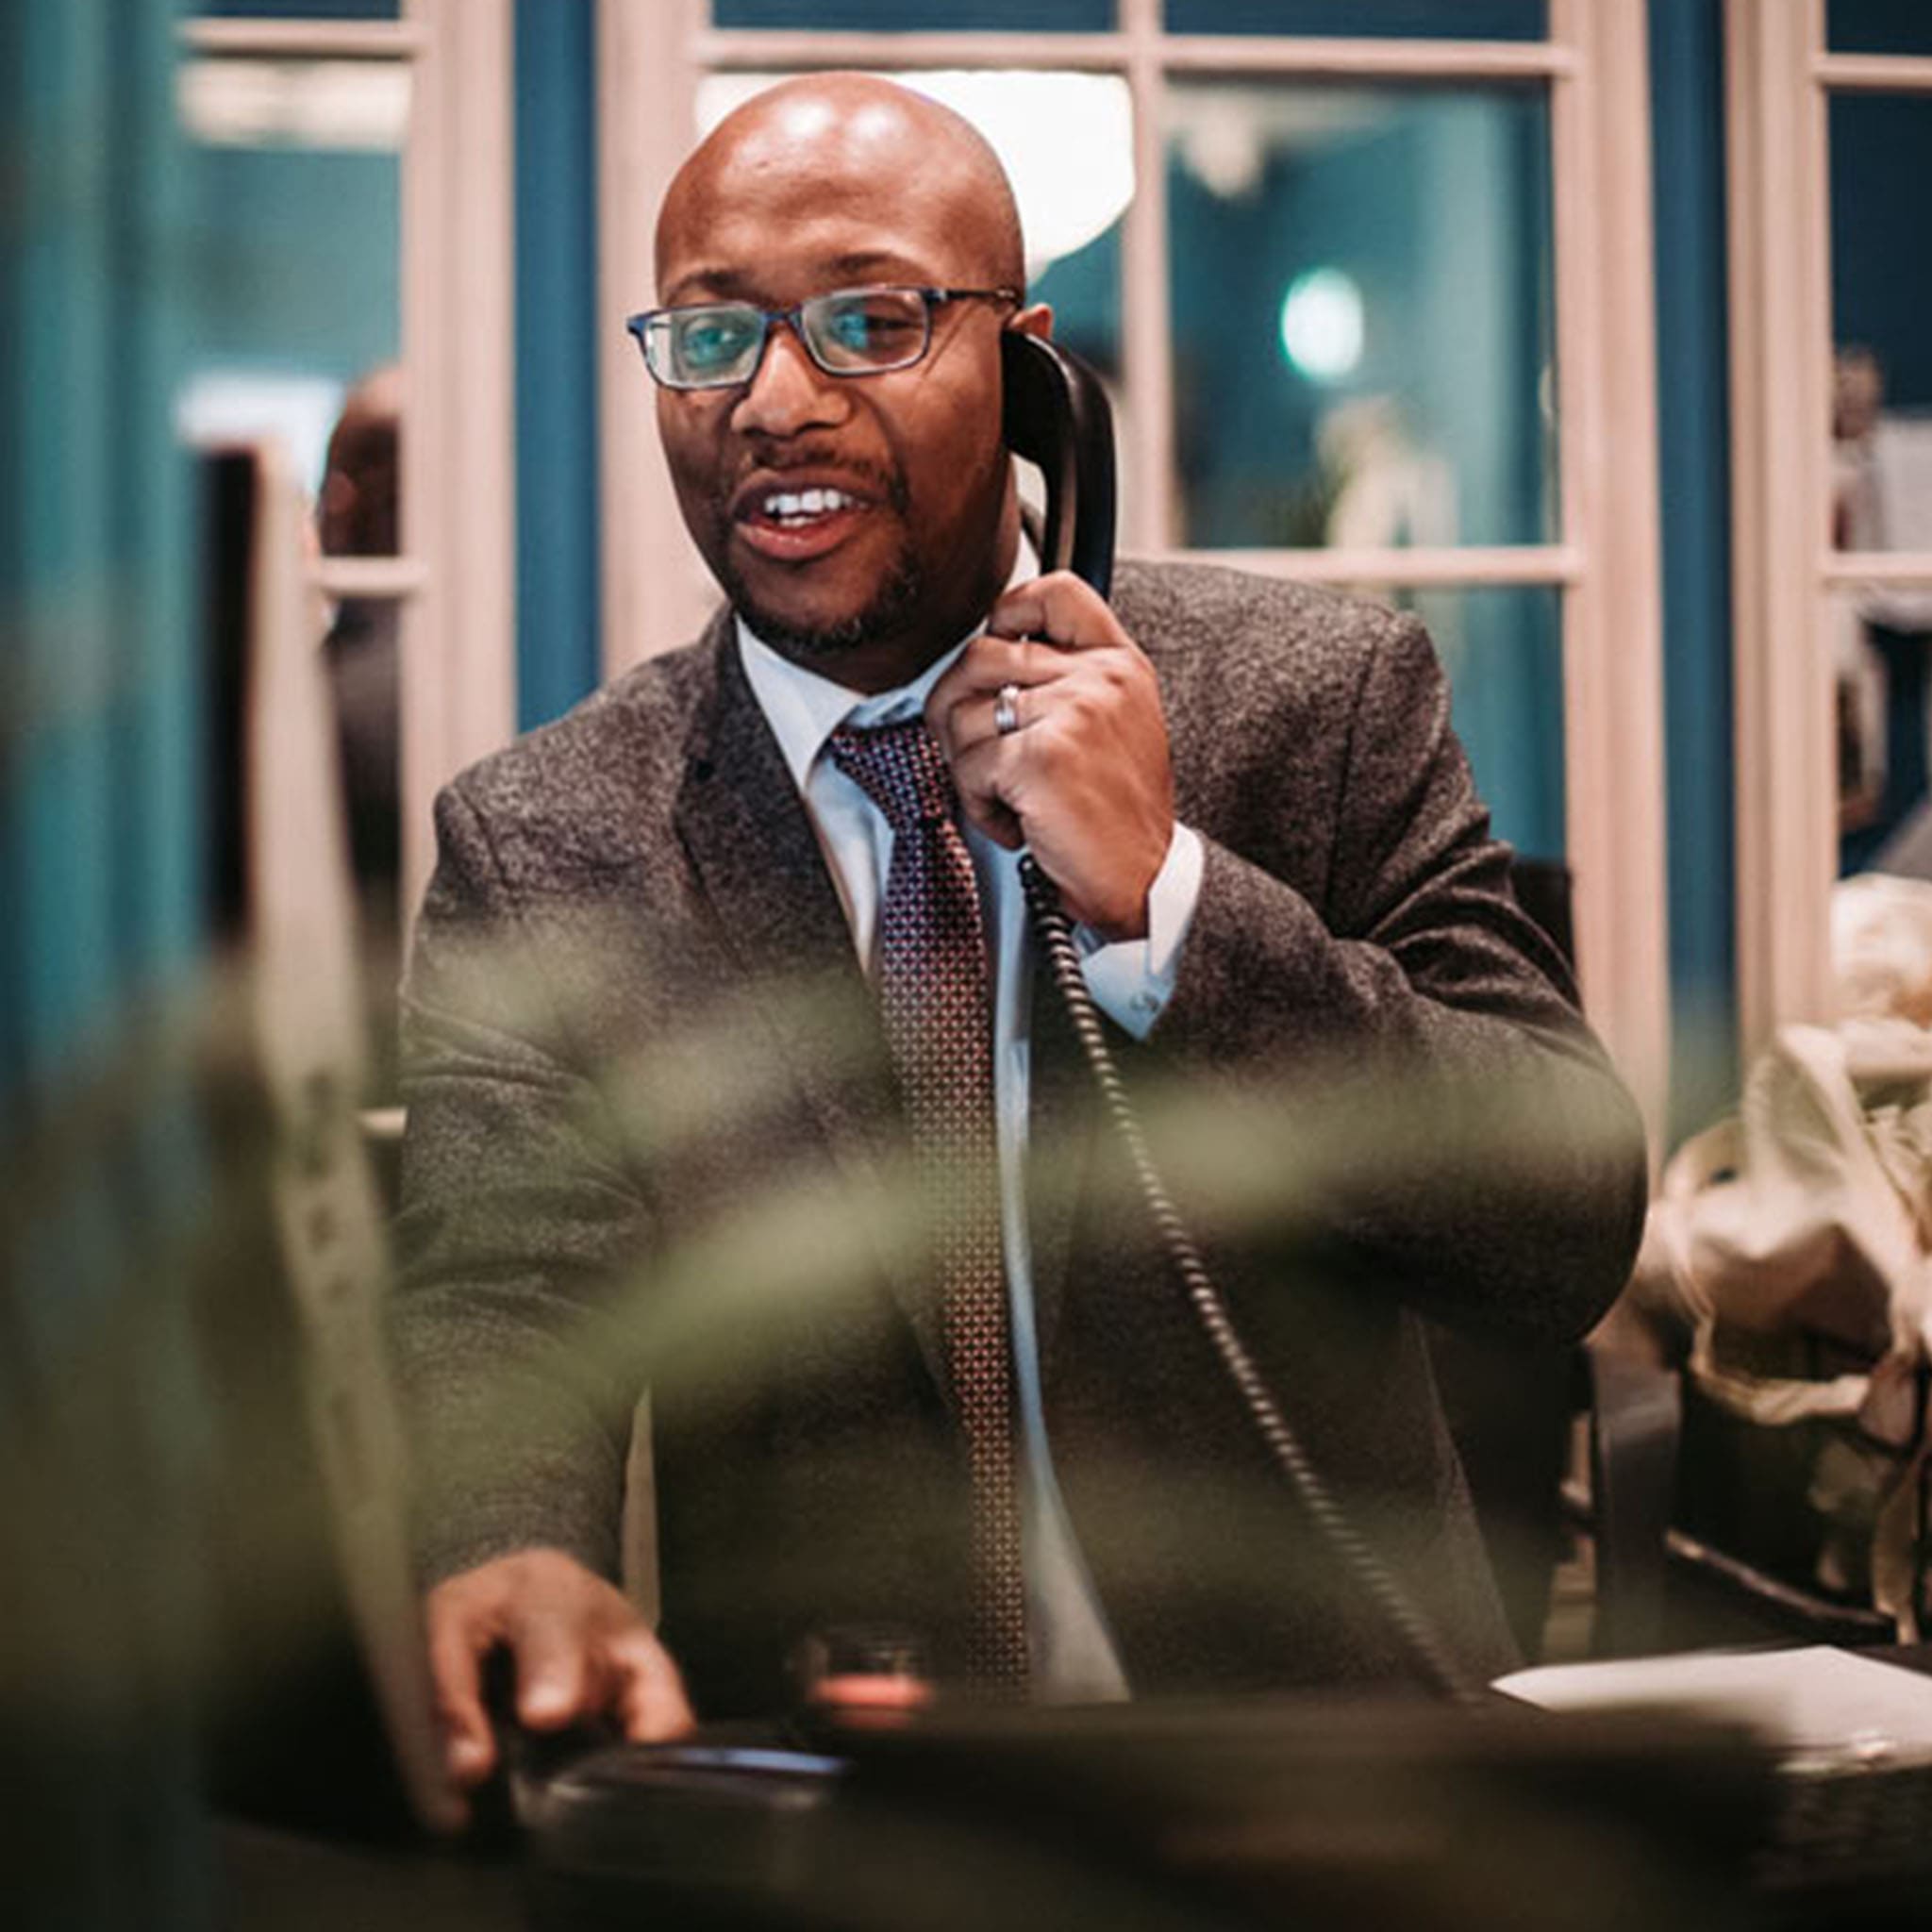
884,481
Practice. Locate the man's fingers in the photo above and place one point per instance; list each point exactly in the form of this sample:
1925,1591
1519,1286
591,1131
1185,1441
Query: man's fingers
959,708
980,771
553,1676
651,1704
1061,607
578,1648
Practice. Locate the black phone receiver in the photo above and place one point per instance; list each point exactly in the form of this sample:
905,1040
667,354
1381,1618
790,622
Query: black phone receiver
1055,414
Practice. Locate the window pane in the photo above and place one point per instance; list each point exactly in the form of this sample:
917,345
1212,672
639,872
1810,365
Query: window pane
1881,157
1035,16
296,9
1448,20
294,271
1881,651
1363,316
1878,26
1503,649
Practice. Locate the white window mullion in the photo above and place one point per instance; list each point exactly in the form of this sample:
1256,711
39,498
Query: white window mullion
1317,59
422,625
307,39
785,49
655,590
1891,74
1907,569
458,631
1148,457
1787,790
1613,621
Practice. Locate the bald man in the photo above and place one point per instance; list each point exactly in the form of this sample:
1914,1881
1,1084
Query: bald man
656,1138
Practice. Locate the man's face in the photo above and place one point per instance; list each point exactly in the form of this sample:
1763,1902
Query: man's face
862,521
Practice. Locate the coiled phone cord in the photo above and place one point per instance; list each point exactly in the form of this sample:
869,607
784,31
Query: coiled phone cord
1404,1615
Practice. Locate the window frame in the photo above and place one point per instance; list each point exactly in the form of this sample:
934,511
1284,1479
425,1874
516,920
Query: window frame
1785,572
1605,563
455,578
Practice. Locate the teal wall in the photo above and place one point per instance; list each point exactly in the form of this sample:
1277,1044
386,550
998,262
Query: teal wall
100,928
558,329
1693,446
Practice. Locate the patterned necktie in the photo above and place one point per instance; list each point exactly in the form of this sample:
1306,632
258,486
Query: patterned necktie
938,1016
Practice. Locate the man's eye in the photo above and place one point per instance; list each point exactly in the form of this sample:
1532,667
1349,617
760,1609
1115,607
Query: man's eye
872,328
714,342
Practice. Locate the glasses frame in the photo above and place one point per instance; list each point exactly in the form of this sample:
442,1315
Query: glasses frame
642,326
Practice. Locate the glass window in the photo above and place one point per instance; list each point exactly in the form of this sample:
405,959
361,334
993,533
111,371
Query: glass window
951,16
295,266
1881,274
1364,315
1503,649
1448,20
1084,289
1878,26
296,9
1881,650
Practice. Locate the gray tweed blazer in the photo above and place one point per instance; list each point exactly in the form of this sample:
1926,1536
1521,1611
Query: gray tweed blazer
654,1141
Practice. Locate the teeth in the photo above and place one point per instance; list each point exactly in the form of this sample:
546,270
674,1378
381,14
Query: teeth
786,506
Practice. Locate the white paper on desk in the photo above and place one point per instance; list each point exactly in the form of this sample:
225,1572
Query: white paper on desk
1814,1701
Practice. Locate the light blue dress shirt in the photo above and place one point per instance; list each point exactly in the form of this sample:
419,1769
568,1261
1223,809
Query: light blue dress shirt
1074,1657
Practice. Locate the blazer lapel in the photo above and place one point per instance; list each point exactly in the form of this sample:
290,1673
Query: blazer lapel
745,829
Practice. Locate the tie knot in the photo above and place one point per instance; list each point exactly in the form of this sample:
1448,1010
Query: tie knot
900,767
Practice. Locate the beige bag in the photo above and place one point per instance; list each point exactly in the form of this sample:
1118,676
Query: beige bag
1810,1213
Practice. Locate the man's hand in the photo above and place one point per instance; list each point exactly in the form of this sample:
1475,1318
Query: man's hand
1084,780
579,1648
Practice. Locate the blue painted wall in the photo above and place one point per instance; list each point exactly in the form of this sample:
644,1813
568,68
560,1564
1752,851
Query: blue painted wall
558,329
100,928
1693,444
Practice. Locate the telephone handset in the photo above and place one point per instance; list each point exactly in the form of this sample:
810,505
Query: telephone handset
1055,414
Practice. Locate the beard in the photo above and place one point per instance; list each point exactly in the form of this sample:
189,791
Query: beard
892,604
887,613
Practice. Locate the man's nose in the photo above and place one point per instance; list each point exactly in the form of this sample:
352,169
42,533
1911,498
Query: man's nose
787,391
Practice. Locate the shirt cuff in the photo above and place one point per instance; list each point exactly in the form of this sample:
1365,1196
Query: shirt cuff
1132,980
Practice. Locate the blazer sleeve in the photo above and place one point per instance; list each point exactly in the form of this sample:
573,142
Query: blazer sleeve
1402,1070
519,1218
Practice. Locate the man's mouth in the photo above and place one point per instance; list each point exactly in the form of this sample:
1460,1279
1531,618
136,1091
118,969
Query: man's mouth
795,526
795,510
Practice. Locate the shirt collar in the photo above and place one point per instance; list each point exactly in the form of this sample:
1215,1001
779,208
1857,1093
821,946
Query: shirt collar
803,709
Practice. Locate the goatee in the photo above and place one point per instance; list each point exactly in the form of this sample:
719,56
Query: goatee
893,603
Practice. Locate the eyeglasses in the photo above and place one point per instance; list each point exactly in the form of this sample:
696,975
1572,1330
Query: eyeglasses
848,332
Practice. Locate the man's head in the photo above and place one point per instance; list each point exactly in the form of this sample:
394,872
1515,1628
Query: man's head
861,523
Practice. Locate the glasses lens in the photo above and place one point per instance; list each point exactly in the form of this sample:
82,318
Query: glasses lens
695,347
866,329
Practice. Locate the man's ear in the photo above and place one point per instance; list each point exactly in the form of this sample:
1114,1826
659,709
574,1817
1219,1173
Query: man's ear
1036,320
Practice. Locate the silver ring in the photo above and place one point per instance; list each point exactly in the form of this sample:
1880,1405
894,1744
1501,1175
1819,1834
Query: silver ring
1006,709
